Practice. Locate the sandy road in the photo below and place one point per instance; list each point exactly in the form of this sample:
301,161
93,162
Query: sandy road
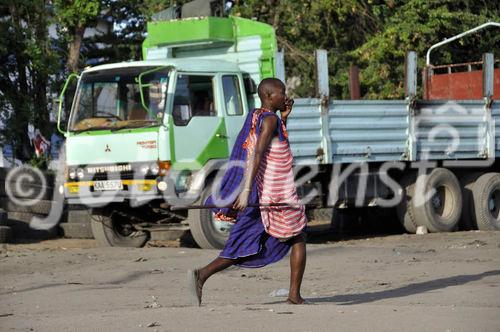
436,282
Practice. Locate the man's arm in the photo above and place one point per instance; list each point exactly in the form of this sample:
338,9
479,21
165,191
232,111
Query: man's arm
288,108
269,125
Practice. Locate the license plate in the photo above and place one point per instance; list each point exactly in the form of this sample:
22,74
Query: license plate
108,185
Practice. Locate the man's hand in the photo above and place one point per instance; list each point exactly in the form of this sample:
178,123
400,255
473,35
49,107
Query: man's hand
288,108
242,201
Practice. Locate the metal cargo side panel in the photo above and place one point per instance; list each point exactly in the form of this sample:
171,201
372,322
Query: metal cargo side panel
304,130
495,112
375,130
451,130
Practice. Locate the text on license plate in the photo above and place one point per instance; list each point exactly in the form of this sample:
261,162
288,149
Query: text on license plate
108,185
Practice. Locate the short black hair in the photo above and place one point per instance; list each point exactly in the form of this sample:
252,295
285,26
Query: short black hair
267,84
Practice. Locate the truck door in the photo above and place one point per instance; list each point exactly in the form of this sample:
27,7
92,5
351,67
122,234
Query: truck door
234,105
199,130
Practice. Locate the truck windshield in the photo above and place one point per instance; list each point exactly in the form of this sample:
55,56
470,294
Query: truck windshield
111,99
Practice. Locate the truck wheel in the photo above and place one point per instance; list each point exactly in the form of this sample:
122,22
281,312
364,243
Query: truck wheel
440,213
111,229
206,232
404,209
486,199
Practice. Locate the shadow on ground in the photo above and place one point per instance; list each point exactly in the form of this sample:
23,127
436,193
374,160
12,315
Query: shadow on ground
411,289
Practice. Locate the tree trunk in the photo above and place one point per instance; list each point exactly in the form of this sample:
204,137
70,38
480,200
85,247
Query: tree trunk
74,49
20,105
41,77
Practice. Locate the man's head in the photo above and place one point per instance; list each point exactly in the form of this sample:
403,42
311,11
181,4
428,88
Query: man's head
272,93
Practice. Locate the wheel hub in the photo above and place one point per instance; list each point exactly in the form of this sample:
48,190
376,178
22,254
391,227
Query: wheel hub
441,202
123,226
494,204
436,201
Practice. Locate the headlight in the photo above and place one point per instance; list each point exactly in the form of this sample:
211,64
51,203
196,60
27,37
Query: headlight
154,168
72,174
144,169
162,185
80,173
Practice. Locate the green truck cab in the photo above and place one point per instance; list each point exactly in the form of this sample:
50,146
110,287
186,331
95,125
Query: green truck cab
140,131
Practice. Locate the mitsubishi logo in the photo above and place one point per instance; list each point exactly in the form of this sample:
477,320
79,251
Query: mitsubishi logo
107,149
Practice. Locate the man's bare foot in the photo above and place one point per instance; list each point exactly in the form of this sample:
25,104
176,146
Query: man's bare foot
299,300
195,287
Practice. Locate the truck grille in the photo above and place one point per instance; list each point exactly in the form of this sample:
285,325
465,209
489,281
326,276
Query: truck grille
112,172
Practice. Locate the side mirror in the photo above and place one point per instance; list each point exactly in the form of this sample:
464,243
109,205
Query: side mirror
61,100
151,84
250,86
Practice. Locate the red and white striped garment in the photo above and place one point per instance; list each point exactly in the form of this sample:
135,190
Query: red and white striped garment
275,184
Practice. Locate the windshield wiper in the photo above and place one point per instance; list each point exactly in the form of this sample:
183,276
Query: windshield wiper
79,131
135,126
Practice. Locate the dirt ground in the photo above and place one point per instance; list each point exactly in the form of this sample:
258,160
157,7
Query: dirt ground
432,282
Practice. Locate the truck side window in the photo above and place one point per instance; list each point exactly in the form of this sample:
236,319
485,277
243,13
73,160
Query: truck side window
194,96
232,95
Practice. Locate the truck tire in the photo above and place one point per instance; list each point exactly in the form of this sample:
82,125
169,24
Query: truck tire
440,213
111,230
404,209
5,234
25,182
41,207
486,200
206,232
20,222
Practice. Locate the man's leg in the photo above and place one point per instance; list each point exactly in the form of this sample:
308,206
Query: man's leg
297,267
196,278
213,267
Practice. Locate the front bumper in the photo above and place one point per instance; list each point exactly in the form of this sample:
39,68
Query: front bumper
136,191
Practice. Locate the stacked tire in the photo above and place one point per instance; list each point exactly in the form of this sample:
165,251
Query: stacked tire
26,193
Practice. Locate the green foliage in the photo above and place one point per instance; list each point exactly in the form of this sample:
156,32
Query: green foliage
303,27
74,13
41,162
27,59
375,35
415,25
